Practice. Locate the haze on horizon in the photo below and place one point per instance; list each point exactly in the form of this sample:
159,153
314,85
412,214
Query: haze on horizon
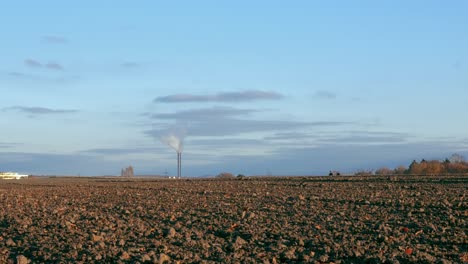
259,87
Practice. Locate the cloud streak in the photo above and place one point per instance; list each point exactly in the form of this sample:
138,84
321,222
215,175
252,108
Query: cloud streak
130,65
56,164
32,63
7,145
322,94
54,66
232,97
205,113
34,110
366,138
289,135
20,75
54,39
333,139
227,121
38,65
121,151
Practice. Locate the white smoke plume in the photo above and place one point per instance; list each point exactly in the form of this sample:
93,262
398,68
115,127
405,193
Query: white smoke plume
174,142
174,138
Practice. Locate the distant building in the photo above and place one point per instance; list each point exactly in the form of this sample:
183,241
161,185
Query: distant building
127,172
12,175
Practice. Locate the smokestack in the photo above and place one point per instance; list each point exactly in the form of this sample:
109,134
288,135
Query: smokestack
175,140
179,164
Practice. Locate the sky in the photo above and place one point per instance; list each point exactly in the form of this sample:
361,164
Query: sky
254,87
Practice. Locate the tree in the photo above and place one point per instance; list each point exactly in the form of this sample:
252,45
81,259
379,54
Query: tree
363,173
384,171
458,167
423,167
457,158
415,168
400,170
434,167
225,175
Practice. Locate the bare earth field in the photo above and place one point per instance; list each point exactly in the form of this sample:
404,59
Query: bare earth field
254,220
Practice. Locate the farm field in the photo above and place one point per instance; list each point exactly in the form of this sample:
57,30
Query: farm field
252,220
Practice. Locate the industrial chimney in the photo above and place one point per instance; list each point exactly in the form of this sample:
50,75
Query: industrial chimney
179,164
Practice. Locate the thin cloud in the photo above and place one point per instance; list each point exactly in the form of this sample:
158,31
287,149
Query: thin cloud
121,151
228,121
366,137
54,39
325,94
224,142
37,64
343,138
289,136
244,96
20,75
234,127
39,110
227,145
56,164
54,66
58,80
130,65
204,113
33,63
457,65
6,145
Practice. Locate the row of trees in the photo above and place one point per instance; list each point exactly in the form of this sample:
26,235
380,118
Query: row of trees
456,164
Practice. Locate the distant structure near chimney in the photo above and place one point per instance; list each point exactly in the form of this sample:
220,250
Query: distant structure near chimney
127,172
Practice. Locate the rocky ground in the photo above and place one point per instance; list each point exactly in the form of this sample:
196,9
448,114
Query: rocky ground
253,220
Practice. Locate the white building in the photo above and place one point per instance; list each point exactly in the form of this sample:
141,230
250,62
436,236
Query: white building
12,175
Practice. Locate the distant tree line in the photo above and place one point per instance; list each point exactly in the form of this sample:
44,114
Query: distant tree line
225,175
127,172
456,164
228,175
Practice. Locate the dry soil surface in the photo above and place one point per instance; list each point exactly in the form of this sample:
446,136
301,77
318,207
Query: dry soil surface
253,220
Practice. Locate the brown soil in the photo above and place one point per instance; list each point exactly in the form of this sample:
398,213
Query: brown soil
252,220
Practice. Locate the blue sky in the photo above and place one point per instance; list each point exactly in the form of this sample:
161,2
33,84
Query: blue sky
256,87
